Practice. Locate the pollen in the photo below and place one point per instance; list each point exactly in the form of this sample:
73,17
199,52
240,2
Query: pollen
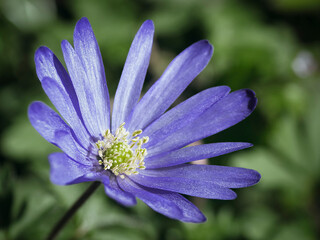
122,153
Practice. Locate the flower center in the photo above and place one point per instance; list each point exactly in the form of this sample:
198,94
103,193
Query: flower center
120,153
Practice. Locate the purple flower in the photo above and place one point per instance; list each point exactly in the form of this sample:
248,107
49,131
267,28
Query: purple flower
139,151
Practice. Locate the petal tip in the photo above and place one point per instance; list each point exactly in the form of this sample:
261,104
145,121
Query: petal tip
41,51
248,97
42,56
83,30
83,19
247,145
206,45
230,196
199,218
83,22
148,24
253,100
233,196
64,43
226,88
34,106
65,46
147,28
256,176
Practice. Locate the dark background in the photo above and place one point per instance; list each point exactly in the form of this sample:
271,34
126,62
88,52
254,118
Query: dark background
270,46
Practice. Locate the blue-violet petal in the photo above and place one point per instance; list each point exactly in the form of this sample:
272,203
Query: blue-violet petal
225,113
193,153
133,74
178,75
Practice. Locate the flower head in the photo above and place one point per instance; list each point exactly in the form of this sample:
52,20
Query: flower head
140,150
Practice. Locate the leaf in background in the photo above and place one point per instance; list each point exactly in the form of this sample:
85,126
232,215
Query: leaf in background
29,14
294,231
22,142
218,226
259,223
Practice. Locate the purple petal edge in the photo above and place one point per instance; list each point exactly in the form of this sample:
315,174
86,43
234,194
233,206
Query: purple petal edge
189,186
223,176
178,75
193,153
155,201
227,112
65,171
133,74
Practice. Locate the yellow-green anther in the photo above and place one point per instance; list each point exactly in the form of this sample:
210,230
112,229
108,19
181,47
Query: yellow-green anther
136,133
121,155
145,139
135,139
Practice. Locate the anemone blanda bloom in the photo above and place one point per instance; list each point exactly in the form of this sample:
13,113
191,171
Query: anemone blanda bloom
140,150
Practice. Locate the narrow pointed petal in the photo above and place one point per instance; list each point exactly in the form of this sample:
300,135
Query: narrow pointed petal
228,177
154,201
96,119
225,113
188,154
50,126
65,171
133,74
183,114
46,121
178,75
189,186
113,190
65,141
48,65
190,213
87,48
63,103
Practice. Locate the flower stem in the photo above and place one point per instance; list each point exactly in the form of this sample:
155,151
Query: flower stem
66,217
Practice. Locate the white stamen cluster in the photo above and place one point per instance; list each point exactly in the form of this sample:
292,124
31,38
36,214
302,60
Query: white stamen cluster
120,154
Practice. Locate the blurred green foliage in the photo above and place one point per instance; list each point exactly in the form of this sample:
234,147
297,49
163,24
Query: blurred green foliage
272,47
